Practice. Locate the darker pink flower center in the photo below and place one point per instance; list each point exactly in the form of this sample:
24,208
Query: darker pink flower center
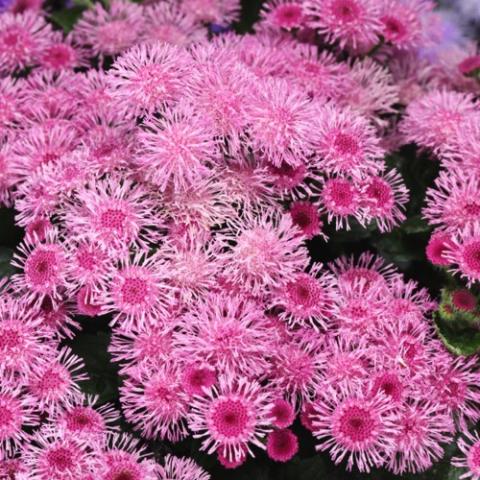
113,219
230,418
357,424
134,291
60,458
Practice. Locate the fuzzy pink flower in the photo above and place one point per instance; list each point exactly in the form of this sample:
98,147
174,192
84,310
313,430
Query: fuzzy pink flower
123,458
138,293
281,120
347,143
149,346
305,215
156,403
438,247
341,199
352,23
170,23
464,300
356,428
22,37
148,77
111,31
307,299
84,420
17,410
283,413
267,250
470,460
181,469
197,377
283,14
231,417
229,333
402,22
44,266
432,119
213,11
62,54
384,198
114,213
24,342
424,429
454,202
55,457
464,253
282,445
55,385
176,149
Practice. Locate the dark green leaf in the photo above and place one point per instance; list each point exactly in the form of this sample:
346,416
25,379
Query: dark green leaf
6,268
68,17
459,342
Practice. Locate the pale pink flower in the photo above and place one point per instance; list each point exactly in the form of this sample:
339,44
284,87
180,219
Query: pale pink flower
110,31
156,403
170,23
351,23
231,417
355,428
469,446
181,469
424,430
464,253
212,11
229,333
346,143
22,37
55,385
198,377
266,252
281,123
17,410
138,293
62,54
283,14
148,77
176,149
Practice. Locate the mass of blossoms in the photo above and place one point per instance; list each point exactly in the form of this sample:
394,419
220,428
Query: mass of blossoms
172,178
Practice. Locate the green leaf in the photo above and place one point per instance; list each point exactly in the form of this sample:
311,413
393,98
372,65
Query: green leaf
312,468
415,224
458,341
68,17
6,268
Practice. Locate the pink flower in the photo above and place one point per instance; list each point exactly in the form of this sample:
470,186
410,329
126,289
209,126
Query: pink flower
138,293
353,23
356,428
346,143
281,120
432,119
341,199
469,65
283,413
62,54
181,469
438,247
55,385
197,377
282,445
470,460
424,429
124,457
112,31
231,464
22,37
305,215
384,199
231,417
454,203
171,23
56,457
156,403
464,252
17,410
175,150
213,11
283,14
228,333
44,266
148,77
464,300
266,252
307,299
114,213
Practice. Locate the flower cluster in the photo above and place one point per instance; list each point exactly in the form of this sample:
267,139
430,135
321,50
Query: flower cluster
169,181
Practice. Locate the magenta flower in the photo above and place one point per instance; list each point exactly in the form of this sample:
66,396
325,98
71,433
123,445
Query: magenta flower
282,445
470,460
283,14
